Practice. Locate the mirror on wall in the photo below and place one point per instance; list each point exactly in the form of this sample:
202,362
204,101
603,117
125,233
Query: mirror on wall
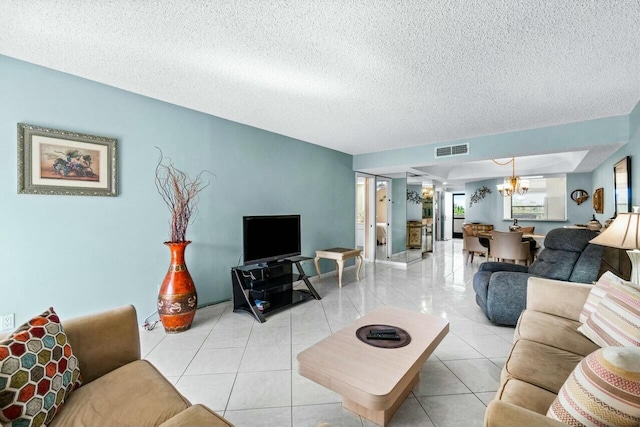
391,219
414,227
399,219
428,213
383,216
404,218
622,185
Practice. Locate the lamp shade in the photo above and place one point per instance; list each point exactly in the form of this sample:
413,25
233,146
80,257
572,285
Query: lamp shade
623,233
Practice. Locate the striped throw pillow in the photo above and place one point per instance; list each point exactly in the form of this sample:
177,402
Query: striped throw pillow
602,390
616,321
597,293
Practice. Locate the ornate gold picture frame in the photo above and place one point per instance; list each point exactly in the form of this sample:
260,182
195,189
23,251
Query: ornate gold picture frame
598,200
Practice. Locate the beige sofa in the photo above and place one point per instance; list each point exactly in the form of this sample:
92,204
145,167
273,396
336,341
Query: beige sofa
118,388
547,346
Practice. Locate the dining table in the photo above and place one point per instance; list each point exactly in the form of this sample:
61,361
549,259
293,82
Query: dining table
537,237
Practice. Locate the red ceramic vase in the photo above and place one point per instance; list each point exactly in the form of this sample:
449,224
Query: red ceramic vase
177,300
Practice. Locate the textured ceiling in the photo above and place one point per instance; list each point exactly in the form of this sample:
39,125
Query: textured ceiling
356,76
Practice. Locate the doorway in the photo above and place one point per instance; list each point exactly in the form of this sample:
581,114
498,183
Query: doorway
457,213
383,218
365,216
395,217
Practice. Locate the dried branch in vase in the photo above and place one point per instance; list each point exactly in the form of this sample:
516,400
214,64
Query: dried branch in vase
180,193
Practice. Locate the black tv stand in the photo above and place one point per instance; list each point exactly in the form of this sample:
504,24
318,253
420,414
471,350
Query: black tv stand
272,284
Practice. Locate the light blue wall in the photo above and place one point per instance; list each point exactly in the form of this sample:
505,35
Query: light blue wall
603,174
490,210
583,213
84,254
484,211
414,210
634,151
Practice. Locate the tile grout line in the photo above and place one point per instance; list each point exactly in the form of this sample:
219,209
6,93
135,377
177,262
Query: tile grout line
235,379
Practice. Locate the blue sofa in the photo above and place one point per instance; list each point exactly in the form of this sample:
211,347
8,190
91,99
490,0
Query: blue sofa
501,288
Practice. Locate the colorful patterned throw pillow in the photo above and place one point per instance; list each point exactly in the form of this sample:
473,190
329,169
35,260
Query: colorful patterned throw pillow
616,321
37,372
597,293
602,390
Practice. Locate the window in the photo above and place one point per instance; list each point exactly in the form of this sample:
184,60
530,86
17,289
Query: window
546,200
458,205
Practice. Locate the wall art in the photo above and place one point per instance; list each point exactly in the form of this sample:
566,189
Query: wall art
598,200
59,162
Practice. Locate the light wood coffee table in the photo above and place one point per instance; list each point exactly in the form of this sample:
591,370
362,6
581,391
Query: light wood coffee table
339,255
373,381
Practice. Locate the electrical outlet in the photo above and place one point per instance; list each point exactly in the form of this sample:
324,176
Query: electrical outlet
6,321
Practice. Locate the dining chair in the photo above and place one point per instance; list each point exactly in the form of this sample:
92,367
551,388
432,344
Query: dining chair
472,245
534,247
508,246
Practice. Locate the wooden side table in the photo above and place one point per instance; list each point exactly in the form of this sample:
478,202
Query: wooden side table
339,255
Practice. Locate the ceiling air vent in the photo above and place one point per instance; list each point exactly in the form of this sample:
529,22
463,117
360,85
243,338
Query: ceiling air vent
452,150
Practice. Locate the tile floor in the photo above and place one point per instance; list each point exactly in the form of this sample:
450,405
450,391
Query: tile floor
247,371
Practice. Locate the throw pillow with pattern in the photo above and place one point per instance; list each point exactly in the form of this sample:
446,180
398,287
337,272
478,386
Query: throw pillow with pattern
597,293
602,390
37,372
616,321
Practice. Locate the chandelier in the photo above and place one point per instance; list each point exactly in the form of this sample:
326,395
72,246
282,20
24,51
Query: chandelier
512,184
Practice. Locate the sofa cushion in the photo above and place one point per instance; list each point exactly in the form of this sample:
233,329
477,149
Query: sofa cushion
604,389
481,285
562,249
196,415
525,395
38,371
554,331
583,270
569,239
554,264
616,321
104,341
134,395
539,364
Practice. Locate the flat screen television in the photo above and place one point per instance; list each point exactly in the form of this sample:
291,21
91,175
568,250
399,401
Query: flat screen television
270,238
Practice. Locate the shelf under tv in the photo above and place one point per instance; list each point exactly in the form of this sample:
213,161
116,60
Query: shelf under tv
272,283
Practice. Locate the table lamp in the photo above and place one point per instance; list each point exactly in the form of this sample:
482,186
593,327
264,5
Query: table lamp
624,233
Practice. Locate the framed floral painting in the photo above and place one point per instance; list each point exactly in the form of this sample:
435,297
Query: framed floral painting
52,161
